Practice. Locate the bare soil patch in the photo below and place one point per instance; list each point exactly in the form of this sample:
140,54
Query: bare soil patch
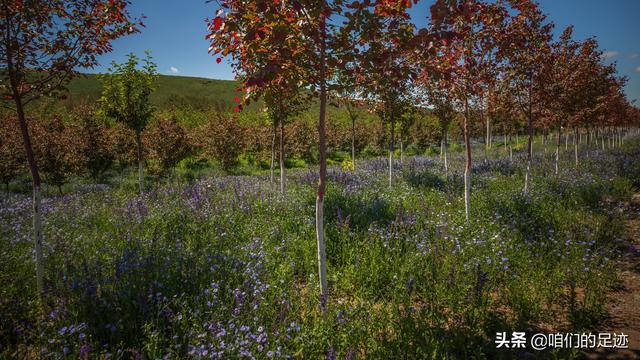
624,301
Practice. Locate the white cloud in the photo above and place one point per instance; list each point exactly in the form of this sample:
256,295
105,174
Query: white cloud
174,70
634,56
609,54
638,69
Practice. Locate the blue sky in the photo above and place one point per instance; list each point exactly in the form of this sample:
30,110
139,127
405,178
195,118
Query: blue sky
175,33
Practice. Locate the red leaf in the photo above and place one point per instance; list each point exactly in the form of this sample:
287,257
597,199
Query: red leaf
217,22
236,99
236,109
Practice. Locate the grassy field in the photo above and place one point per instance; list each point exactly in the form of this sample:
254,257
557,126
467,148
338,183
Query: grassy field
170,90
225,266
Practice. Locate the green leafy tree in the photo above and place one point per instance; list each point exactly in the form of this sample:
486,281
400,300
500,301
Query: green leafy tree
126,97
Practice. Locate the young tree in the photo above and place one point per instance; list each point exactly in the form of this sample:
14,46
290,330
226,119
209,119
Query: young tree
528,54
382,70
444,109
352,109
43,44
564,82
469,33
503,111
126,97
292,34
283,100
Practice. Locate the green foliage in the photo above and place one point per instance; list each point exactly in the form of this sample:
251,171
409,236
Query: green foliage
127,91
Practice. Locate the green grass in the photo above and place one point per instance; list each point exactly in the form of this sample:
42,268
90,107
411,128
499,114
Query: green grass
170,90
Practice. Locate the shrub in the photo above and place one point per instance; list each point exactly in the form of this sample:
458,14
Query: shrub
167,143
124,145
301,140
223,139
58,148
98,148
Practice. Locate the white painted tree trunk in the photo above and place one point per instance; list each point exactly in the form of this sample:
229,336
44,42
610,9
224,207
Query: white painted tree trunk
446,157
391,147
530,140
467,167
467,192
488,134
282,178
273,152
527,175
140,163
575,147
558,135
37,228
322,257
353,142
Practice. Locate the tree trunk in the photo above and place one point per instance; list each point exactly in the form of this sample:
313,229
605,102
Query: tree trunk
488,133
353,142
467,167
557,149
527,175
575,144
35,180
566,141
273,150
580,139
322,257
140,163
391,147
510,149
282,156
446,160
505,141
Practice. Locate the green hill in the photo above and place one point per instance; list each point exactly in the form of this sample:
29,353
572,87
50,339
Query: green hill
176,90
